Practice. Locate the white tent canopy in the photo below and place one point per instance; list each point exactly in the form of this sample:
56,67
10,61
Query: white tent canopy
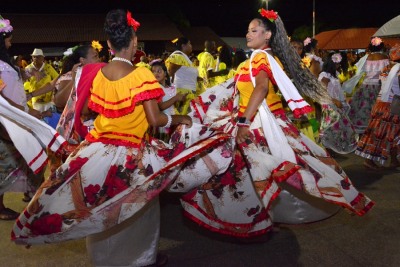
390,28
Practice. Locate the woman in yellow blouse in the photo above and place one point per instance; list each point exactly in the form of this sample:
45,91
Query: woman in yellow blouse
268,153
109,177
222,70
183,73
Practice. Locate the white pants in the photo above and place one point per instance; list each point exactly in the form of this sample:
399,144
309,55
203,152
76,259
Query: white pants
131,243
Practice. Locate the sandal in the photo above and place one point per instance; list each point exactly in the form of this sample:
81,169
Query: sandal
161,260
7,214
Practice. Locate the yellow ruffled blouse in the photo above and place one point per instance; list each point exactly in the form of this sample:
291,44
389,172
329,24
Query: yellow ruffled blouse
121,118
246,88
177,59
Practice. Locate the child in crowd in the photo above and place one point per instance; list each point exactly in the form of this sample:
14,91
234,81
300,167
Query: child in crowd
170,98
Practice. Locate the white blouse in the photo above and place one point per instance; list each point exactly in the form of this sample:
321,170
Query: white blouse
14,89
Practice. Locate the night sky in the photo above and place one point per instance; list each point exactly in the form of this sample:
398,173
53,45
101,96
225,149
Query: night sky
231,17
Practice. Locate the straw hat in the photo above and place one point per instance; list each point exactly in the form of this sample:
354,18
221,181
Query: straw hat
37,52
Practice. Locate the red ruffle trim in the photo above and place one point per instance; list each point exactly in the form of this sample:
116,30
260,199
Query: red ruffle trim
116,142
113,113
357,200
287,174
224,231
298,112
247,78
281,178
265,68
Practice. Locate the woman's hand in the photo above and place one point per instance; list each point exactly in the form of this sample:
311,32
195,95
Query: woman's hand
35,113
243,133
179,97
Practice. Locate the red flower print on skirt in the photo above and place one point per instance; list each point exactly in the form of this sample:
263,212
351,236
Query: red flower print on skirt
47,224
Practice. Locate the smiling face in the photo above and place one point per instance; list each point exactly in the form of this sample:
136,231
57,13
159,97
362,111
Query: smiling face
257,36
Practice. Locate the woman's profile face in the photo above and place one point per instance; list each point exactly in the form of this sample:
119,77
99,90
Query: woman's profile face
7,42
187,48
91,57
257,35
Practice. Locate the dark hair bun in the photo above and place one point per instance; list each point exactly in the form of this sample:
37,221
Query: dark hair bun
118,31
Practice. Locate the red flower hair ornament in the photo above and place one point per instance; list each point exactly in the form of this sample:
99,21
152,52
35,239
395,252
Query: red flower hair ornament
269,14
131,21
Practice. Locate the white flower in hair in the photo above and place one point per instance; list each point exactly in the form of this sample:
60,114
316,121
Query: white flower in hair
5,25
307,41
337,58
68,52
376,41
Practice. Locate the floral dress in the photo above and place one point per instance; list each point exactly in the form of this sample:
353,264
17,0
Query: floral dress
111,175
383,128
365,96
337,132
233,186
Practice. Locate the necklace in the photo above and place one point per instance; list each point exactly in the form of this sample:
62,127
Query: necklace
123,60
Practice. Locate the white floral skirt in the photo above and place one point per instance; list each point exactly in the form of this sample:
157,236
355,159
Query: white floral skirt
98,187
231,188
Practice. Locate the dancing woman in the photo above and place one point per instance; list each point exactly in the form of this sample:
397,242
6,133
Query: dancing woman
337,133
365,96
15,169
65,98
107,189
378,143
267,152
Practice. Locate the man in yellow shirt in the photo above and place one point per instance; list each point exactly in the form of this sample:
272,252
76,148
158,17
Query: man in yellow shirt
40,73
206,60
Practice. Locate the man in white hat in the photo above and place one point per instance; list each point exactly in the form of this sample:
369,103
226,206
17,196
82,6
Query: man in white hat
41,74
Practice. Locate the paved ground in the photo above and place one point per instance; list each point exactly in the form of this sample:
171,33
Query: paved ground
342,240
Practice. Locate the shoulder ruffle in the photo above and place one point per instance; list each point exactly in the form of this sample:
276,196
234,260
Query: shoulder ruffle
122,102
177,59
259,63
